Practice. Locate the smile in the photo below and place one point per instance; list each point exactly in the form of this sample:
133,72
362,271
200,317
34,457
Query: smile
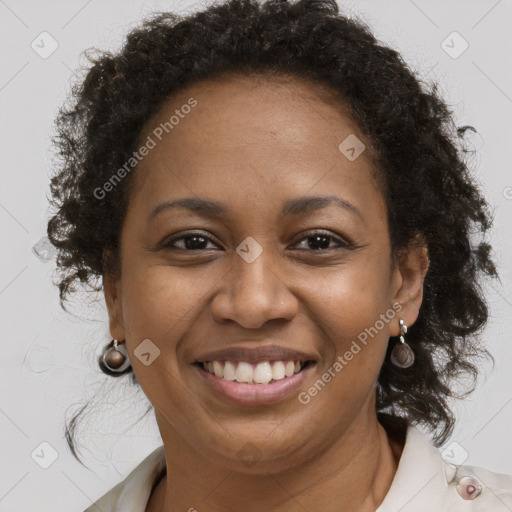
260,383
262,373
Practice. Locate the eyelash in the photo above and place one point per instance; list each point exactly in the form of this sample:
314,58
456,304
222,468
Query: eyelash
341,244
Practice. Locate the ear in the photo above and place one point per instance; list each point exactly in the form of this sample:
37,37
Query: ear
408,277
111,289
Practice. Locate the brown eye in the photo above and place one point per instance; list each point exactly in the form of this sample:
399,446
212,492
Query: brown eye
192,242
316,241
321,240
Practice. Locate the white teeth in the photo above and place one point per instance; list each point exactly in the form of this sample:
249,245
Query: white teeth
217,368
229,371
244,373
261,373
289,368
278,371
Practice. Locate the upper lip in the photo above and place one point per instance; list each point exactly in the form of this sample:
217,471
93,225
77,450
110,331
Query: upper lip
256,355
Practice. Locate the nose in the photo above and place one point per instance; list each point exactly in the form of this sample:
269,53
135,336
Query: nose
253,294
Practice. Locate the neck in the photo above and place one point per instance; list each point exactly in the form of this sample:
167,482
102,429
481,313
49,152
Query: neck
354,473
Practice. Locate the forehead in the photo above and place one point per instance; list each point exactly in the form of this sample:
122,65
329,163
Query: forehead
233,110
270,137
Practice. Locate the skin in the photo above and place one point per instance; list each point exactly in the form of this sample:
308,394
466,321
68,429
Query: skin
254,144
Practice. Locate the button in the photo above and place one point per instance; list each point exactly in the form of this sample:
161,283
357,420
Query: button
469,488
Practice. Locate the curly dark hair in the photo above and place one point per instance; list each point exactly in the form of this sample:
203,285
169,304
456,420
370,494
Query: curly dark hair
419,151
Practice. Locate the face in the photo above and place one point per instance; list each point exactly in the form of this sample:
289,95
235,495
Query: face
261,273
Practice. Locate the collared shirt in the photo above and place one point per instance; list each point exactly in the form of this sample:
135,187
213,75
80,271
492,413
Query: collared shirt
423,482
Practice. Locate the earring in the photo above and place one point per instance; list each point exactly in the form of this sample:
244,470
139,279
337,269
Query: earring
114,360
402,354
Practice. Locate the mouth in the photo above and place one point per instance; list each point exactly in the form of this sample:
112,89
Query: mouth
254,384
262,373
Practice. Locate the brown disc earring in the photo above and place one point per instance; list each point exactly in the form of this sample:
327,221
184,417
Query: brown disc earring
114,360
402,354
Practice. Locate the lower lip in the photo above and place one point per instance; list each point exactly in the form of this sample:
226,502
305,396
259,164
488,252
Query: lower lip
254,394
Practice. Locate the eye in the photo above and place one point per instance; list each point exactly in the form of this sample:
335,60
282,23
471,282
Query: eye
320,241
192,242
315,241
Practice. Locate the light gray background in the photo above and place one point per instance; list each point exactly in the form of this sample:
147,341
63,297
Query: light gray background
47,356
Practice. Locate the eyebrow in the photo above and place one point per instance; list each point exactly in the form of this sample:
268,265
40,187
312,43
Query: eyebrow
290,207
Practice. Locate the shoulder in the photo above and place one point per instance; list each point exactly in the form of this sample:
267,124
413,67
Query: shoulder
424,481
132,494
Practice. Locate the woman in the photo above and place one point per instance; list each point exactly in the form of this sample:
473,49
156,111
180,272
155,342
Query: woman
280,218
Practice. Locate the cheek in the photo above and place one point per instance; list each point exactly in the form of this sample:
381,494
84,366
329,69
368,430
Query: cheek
357,340
159,304
160,301
351,296
352,312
